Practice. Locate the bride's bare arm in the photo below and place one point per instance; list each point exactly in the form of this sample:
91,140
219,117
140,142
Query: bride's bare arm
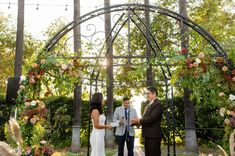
95,116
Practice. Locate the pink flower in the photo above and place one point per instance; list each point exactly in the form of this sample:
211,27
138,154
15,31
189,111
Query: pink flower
27,104
190,65
64,66
32,81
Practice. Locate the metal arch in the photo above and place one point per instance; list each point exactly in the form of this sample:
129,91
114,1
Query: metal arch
140,7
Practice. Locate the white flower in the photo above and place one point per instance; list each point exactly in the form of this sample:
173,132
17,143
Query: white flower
201,55
43,61
33,120
41,104
22,87
227,121
22,78
224,68
231,97
43,142
198,60
222,111
33,103
221,94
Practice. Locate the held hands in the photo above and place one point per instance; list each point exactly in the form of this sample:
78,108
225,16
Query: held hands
108,126
135,121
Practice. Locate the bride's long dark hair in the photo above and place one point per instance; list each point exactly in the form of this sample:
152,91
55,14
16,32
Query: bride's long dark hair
96,102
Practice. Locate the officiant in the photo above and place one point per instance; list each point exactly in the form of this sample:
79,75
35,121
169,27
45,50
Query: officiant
125,133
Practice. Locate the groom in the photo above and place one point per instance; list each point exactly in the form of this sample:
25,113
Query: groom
124,132
151,124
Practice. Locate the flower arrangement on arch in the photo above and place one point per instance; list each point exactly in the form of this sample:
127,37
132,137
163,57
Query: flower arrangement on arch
34,111
195,66
229,114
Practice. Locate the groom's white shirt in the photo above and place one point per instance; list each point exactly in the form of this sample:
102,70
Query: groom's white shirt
119,114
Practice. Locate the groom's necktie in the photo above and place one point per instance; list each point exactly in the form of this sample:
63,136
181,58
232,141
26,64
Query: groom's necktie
126,113
147,107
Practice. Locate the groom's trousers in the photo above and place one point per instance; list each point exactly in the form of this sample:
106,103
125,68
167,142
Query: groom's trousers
121,143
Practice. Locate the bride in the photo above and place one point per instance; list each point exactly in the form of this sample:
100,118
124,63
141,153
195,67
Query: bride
98,122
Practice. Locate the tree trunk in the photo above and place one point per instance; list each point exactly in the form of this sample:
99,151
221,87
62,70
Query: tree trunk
149,71
190,131
75,145
19,40
109,58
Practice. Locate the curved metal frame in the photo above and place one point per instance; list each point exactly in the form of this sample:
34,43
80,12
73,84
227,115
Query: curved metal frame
157,51
48,47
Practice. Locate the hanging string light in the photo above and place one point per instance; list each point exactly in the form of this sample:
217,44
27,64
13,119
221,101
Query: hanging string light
9,6
52,5
66,7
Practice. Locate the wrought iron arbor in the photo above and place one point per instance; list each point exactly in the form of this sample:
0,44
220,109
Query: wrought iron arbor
127,17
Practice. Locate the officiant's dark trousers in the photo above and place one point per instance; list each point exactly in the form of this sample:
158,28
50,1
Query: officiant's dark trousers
152,146
121,143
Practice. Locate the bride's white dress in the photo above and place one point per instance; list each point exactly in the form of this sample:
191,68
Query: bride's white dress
97,138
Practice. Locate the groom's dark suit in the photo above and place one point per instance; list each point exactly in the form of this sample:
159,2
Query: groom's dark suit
151,128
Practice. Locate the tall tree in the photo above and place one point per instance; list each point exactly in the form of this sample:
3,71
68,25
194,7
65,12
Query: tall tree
109,59
190,131
149,71
7,48
19,39
75,146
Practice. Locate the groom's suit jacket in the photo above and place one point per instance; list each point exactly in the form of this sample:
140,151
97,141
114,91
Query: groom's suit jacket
151,120
119,114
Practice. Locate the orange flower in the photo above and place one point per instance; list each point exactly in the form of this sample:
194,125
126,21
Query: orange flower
35,65
189,60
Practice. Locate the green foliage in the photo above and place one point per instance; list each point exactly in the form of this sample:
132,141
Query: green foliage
221,20
7,55
4,116
38,133
210,127
178,120
59,129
